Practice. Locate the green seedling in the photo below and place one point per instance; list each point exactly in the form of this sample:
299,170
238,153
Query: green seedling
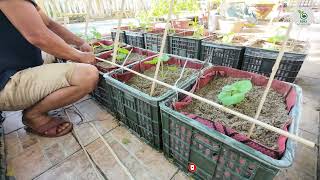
122,54
173,68
227,39
96,34
125,141
163,58
234,93
198,30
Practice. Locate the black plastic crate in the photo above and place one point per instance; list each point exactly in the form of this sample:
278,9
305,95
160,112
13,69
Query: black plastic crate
153,41
135,38
261,61
139,111
101,95
122,36
222,54
185,45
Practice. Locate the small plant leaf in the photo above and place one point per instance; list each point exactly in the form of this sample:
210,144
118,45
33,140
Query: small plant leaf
164,58
234,93
121,57
123,51
173,68
228,38
125,141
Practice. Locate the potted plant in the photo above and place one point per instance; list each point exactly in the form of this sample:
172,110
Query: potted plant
129,55
216,141
130,93
224,49
261,55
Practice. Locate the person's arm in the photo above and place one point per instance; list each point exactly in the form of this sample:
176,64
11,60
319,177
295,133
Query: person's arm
64,33
30,24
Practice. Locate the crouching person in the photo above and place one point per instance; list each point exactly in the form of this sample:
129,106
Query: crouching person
29,85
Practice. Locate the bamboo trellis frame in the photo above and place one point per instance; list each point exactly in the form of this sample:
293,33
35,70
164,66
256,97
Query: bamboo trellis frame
216,105
99,8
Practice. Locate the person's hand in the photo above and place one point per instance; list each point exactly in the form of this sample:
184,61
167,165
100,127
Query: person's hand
85,47
87,57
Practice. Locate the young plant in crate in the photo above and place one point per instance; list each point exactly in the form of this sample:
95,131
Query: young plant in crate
217,139
136,108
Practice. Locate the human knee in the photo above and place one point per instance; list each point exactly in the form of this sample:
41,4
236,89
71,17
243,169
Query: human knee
91,76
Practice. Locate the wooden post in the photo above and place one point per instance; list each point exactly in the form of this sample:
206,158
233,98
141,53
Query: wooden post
273,73
162,47
116,42
220,107
88,5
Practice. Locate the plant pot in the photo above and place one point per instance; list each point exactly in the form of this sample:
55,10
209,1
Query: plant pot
102,93
180,23
140,111
135,38
187,138
122,36
230,55
227,26
183,44
263,10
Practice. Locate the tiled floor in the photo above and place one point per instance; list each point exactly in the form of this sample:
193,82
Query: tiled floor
33,157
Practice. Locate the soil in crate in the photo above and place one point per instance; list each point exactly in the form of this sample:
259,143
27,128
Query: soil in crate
274,110
292,46
218,38
100,49
134,57
169,74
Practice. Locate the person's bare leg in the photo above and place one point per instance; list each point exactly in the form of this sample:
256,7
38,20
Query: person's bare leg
84,79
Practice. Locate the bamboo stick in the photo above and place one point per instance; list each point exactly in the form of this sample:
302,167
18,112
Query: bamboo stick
83,148
116,41
107,145
245,117
273,74
88,5
163,43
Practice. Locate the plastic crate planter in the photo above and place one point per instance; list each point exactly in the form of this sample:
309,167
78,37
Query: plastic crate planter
189,138
102,92
137,110
261,61
108,55
222,54
153,40
122,36
135,37
183,44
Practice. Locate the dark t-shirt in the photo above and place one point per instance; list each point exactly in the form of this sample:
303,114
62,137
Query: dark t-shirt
16,53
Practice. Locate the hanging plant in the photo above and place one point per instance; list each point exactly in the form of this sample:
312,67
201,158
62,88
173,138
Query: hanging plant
234,93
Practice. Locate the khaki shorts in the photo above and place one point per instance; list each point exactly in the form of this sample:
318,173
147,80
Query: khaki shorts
30,86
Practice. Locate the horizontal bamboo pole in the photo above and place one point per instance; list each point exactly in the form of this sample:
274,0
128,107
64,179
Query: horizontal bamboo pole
245,117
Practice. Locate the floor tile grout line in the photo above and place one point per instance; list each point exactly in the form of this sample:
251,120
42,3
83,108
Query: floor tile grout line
174,174
68,157
133,155
307,131
58,163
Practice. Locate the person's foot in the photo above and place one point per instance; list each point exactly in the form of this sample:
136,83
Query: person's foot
45,125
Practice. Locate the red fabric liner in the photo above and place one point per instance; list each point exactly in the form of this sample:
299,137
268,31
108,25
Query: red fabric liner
107,55
281,87
141,67
105,42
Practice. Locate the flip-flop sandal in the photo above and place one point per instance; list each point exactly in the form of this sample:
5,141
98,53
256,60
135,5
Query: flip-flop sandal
51,128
